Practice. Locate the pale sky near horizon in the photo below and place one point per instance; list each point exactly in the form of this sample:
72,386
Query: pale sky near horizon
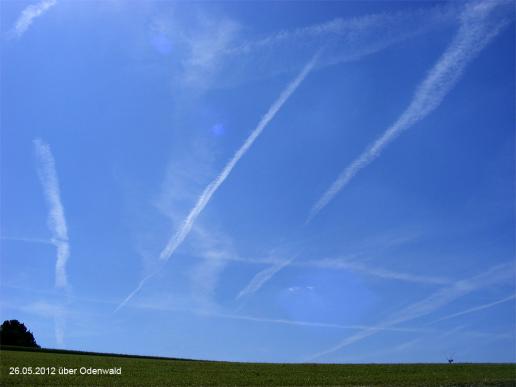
260,181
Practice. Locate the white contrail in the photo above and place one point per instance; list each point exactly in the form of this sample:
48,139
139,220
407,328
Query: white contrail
262,277
131,295
28,240
29,14
430,304
474,34
57,224
59,329
375,271
341,264
56,218
214,314
305,323
347,39
208,192
476,308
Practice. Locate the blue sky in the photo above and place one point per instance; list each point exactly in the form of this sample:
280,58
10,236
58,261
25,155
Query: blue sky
276,181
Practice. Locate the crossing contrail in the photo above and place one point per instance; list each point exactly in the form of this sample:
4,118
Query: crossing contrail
177,239
208,192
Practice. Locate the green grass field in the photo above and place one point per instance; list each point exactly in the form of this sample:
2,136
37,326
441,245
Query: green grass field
140,371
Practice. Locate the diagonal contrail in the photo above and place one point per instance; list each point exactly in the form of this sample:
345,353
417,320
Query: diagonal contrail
136,290
475,309
474,34
178,238
208,192
429,304
262,277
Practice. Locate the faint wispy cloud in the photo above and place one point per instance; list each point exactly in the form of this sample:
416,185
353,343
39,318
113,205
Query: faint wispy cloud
59,329
211,248
430,304
50,310
338,264
240,60
212,50
352,35
306,323
185,176
262,277
475,32
375,271
216,51
56,218
43,309
29,14
475,309
197,38
204,50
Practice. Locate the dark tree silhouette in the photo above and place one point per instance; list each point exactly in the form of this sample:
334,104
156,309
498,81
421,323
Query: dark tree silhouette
13,332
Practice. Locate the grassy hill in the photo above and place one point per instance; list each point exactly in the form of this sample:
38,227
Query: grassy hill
45,367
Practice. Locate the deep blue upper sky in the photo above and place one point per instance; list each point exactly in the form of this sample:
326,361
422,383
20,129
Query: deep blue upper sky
273,181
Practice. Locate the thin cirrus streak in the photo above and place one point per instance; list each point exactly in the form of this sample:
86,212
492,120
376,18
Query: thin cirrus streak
232,316
475,32
475,309
429,304
56,218
135,291
342,263
178,238
27,240
347,39
337,264
376,271
28,15
262,277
